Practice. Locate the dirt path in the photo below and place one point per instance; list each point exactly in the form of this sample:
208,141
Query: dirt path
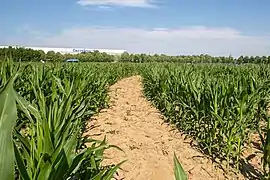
134,125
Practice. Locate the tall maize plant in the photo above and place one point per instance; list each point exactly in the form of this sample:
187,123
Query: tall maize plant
217,105
8,116
52,104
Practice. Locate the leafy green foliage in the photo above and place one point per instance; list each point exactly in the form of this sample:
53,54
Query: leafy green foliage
96,56
218,105
53,103
8,116
179,172
21,54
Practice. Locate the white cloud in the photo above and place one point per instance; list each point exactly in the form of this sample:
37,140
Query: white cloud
131,3
104,7
187,40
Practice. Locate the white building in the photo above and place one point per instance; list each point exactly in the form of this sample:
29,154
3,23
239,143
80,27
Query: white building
71,50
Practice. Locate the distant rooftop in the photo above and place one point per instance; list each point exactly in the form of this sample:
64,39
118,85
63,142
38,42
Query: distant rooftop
70,50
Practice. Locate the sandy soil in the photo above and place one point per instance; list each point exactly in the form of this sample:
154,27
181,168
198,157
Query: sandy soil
134,125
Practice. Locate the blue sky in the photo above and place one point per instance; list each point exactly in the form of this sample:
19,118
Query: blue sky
152,26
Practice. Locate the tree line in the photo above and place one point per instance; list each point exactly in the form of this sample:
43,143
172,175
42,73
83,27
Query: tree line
26,54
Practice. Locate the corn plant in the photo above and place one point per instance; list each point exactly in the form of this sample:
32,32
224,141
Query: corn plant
263,128
215,104
266,150
53,102
8,116
179,172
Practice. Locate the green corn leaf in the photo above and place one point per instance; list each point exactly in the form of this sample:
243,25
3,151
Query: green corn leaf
111,172
8,116
23,140
178,170
60,165
21,166
76,163
99,175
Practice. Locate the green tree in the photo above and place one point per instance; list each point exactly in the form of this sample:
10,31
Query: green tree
125,57
50,55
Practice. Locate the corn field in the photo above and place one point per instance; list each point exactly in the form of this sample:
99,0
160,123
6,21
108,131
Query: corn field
43,113
45,108
218,105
